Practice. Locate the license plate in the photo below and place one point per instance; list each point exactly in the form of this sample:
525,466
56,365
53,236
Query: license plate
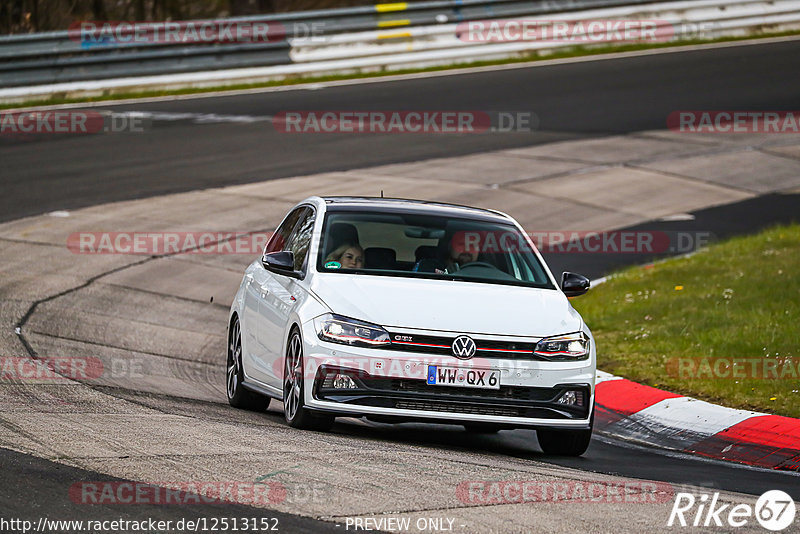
440,375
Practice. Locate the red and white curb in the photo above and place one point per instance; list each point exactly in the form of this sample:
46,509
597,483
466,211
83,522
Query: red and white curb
643,414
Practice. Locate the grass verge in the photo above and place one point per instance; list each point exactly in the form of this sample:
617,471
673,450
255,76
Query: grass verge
577,51
679,324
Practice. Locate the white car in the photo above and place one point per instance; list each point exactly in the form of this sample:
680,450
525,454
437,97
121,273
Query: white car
402,310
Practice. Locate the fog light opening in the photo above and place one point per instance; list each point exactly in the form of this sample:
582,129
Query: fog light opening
343,382
339,381
571,398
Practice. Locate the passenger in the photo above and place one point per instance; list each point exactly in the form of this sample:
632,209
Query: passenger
348,255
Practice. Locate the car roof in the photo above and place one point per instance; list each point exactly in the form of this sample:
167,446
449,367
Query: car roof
406,205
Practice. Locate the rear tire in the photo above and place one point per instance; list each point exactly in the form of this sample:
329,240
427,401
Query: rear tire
238,395
565,442
294,410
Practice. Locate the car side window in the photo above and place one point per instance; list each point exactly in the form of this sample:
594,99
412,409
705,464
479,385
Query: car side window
301,239
281,236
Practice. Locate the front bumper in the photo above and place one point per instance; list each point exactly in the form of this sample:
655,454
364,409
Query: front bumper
391,386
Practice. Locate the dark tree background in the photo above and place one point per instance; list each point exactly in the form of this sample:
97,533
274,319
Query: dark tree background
23,16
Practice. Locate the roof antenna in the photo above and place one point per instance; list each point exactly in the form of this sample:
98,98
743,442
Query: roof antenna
381,193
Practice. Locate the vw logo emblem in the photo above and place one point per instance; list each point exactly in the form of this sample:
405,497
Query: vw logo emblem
463,347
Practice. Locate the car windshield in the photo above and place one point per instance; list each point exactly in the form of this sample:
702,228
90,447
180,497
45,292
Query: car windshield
428,246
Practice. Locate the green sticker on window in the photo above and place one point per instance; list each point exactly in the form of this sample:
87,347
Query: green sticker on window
333,265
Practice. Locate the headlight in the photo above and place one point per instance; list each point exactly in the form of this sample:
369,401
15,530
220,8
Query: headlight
567,347
338,329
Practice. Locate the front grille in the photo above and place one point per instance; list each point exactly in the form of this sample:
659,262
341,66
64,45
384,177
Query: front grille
455,407
443,345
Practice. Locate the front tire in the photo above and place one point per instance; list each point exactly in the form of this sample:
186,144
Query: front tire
238,396
294,410
565,442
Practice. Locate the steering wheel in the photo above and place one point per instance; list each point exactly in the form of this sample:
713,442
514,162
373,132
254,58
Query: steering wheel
484,264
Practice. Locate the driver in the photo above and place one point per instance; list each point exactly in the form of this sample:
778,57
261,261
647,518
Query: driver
461,252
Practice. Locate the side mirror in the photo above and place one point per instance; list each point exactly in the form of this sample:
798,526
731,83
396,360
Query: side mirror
281,262
573,284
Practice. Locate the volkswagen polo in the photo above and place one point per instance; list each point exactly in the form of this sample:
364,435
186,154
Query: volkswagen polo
399,310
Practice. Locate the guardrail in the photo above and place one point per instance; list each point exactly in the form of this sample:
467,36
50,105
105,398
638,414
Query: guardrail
385,36
53,57
676,20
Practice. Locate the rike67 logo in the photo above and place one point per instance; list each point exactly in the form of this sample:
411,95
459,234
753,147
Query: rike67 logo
774,510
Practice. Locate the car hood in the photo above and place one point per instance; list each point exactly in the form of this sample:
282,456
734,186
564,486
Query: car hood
464,307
